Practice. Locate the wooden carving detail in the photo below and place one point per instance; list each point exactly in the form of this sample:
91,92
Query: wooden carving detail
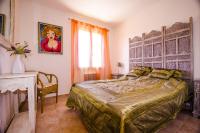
135,51
148,51
169,48
157,49
184,45
135,39
177,26
153,46
171,65
153,33
178,48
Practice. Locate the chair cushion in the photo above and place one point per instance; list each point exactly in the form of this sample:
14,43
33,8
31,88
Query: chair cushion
46,85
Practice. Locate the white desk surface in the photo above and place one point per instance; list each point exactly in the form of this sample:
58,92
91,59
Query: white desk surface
20,75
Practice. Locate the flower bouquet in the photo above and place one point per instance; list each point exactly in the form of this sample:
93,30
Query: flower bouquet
19,49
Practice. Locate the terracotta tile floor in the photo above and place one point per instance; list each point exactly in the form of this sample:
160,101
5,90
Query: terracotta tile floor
57,118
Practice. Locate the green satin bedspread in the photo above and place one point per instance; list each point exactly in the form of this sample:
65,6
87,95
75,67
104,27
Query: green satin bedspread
141,105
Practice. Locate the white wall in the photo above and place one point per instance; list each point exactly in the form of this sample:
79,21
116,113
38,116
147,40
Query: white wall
28,14
5,60
160,13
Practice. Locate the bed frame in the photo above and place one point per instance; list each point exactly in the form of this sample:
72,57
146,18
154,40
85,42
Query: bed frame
169,48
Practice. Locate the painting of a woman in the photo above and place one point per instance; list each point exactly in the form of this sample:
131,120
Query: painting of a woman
50,38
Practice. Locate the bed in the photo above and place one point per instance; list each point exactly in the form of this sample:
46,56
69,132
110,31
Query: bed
128,105
141,104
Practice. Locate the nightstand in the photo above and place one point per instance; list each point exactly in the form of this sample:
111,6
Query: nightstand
116,75
196,109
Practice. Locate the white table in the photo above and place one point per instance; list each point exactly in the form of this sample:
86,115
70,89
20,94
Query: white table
25,81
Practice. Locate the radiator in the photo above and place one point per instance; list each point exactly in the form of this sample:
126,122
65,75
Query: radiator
91,76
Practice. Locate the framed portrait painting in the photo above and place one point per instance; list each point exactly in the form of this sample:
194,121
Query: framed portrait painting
49,38
2,24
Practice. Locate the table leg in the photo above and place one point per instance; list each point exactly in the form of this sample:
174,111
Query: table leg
31,105
16,101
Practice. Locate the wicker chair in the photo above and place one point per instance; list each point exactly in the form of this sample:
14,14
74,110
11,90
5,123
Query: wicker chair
46,84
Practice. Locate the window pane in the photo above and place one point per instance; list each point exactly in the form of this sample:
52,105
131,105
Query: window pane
96,50
84,48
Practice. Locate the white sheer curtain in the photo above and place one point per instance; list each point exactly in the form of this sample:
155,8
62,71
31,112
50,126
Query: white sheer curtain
90,49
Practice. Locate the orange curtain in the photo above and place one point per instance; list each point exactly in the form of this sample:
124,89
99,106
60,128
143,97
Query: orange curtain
77,73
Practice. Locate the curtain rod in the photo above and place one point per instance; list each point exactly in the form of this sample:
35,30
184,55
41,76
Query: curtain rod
88,23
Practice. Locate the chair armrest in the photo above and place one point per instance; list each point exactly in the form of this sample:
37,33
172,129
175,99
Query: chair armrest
54,76
39,82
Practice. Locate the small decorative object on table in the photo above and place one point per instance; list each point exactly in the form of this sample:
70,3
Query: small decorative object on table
19,49
196,110
116,75
119,66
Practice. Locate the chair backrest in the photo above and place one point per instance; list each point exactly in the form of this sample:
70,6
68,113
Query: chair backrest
43,78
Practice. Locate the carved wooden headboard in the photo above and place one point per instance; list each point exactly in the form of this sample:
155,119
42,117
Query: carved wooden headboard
170,48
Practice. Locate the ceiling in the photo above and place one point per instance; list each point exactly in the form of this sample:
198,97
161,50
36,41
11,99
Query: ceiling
108,11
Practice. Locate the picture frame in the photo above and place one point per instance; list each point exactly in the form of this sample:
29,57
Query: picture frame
2,24
50,38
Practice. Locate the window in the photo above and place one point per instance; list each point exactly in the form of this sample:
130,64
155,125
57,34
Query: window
89,49
90,52
96,50
84,48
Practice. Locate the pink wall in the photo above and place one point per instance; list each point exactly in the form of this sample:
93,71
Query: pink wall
28,14
5,60
162,12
